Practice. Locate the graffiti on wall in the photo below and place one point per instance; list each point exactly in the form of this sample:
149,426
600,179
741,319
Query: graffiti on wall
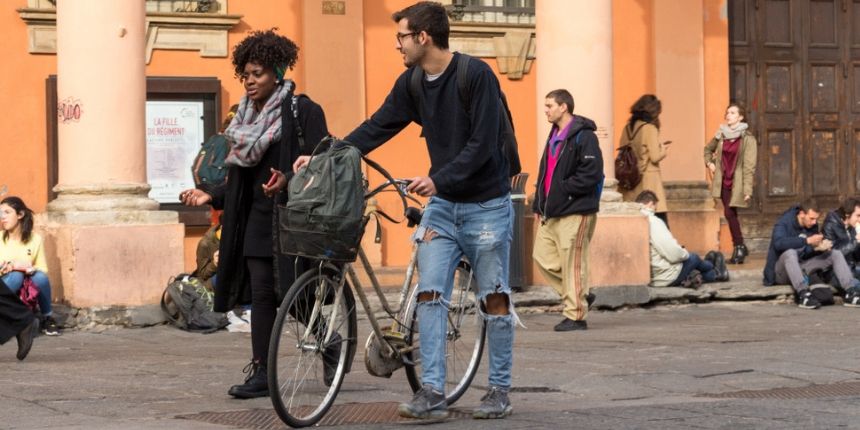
69,110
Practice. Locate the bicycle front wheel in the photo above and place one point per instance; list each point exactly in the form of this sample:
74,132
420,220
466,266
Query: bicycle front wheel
310,347
464,338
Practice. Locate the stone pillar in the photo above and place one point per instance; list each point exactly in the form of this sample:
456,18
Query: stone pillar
108,244
574,51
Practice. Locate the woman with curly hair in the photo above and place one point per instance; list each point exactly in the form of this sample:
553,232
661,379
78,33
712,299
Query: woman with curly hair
264,144
643,133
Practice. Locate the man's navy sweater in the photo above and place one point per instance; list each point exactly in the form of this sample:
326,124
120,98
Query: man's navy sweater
466,159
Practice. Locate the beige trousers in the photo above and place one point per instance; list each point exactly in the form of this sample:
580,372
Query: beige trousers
561,254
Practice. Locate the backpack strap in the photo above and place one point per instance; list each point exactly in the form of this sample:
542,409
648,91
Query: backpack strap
416,90
463,80
294,108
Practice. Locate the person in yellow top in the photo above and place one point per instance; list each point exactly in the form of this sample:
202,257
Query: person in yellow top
22,255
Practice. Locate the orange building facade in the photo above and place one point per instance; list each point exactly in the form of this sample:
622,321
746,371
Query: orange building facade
676,49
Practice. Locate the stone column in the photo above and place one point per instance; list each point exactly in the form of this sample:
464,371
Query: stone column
574,51
108,242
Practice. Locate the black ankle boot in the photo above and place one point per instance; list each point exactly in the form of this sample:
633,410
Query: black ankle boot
735,258
742,253
256,384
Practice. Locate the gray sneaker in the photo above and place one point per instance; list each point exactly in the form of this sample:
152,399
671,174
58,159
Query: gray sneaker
426,403
494,404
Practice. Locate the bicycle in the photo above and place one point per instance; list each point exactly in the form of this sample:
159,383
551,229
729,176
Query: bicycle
315,336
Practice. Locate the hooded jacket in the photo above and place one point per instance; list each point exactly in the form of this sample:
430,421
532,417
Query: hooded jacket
787,234
577,180
844,238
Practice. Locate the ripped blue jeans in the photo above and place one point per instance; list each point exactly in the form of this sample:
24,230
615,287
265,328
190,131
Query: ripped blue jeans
482,232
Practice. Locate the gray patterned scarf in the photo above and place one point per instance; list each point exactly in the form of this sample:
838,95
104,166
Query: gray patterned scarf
731,133
251,133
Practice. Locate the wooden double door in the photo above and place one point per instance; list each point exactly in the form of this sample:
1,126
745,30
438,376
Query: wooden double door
795,65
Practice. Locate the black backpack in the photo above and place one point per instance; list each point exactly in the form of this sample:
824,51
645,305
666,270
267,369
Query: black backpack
509,138
627,164
187,304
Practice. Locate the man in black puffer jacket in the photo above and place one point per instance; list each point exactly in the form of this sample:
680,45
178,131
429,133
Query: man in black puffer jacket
839,229
567,200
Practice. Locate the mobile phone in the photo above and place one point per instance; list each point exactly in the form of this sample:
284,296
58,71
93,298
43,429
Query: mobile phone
272,180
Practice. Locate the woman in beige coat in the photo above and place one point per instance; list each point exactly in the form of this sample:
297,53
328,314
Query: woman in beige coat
731,158
643,132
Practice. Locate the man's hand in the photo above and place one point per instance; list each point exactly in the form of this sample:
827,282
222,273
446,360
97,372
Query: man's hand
194,197
422,185
815,239
276,183
215,257
302,161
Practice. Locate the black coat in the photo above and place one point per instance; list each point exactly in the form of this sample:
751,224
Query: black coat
843,238
577,180
235,198
14,315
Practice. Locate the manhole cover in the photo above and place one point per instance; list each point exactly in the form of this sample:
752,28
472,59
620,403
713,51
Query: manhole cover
338,415
839,389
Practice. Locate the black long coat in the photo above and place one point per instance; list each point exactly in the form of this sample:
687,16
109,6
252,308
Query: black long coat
14,316
235,199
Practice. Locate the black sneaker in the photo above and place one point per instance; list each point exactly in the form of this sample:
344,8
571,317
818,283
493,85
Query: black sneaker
852,297
25,338
719,262
694,280
568,325
426,403
494,404
331,357
256,384
51,328
807,301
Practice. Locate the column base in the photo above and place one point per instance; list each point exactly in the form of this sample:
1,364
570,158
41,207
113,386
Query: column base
109,245
692,218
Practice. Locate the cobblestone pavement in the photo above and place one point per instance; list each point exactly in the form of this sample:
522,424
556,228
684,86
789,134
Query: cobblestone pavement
665,367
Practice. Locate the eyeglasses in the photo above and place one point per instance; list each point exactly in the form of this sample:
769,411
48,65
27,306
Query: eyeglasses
400,36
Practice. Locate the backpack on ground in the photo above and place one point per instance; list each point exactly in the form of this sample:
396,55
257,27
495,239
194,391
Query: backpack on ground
627,164
509,138
324,216
187,304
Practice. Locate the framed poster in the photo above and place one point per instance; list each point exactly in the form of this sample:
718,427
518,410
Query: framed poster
181,113
174,132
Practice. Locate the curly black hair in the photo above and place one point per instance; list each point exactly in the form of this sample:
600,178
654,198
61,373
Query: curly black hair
265,48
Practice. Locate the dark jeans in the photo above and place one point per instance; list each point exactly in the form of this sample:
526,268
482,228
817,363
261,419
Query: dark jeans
731,216
694,262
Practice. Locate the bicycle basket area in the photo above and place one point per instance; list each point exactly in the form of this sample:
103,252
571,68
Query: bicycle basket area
324,215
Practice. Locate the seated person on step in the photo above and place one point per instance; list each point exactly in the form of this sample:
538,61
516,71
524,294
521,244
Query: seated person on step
839,228
22,256
797,249
671,264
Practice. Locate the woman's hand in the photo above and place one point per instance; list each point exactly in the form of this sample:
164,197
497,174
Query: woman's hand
276,183
747,199
5,267
194,197
712,167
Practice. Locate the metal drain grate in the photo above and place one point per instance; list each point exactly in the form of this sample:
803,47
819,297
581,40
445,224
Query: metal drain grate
338,415
839,389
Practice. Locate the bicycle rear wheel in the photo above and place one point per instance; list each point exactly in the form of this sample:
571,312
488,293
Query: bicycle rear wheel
465,338
309,350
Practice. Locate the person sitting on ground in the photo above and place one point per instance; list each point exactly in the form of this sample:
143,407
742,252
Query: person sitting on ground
22,256
839,228
671,264
798,249
207,256
16,320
